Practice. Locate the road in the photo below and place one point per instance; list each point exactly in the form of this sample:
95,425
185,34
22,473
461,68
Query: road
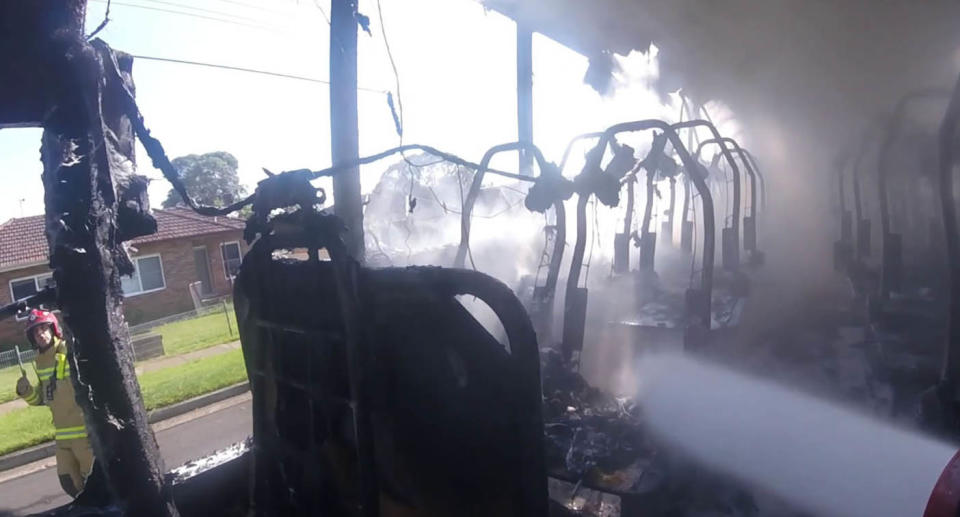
33,488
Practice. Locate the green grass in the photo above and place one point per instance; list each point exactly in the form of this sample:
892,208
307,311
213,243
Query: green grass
22,428
170,385
179,337
205,331
8,383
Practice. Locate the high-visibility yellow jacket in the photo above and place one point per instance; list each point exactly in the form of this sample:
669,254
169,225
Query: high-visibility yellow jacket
56,391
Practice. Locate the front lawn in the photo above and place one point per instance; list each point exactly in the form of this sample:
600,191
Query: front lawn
201,332
8,382
24,427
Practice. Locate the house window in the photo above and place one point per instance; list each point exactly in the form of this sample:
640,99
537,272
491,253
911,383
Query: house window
147,276
231,258
21,288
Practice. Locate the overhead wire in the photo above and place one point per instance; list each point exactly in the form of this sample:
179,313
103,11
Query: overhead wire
252,6
157,154
195,15
319,7
469,251
103,24
200,9
393,66
398,114
244,69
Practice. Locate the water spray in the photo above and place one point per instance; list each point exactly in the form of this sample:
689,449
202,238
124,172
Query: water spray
818,456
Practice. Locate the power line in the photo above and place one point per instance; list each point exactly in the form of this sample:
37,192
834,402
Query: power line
103,24
249,70
195,15
251,6
393,65
316,3
201,9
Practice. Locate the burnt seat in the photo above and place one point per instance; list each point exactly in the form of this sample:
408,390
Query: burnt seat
455,415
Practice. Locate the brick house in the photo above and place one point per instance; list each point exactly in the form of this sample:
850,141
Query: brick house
187,248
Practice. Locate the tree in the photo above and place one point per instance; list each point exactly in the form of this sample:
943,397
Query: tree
210,178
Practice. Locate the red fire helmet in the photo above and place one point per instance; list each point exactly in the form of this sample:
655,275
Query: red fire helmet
39,317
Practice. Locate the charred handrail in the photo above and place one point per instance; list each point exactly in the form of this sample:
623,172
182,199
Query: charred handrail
750,172
857,196
47,295
763,184
706,200
841,163
891,133
948,141
628,216
735,171
566,151
559,244
691,136
728,156
656,150
467,209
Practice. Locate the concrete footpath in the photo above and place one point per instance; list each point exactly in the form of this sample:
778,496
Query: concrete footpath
158,363
157,416
33,487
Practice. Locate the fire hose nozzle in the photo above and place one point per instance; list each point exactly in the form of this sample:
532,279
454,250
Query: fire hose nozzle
945,498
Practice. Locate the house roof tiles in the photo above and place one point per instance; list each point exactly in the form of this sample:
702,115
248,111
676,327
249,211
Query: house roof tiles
22,239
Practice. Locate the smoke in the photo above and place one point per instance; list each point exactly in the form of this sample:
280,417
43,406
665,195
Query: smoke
803,81
824,458
413,217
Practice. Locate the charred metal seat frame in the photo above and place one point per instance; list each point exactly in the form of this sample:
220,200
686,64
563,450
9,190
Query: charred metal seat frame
863,243
750,221
843,247
648,239
939,405
891,274
730,237
575,302
324,342
549,189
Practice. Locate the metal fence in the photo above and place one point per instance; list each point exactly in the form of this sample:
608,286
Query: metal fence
9,358
220,307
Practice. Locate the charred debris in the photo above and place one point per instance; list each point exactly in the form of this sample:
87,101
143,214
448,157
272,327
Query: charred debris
405,403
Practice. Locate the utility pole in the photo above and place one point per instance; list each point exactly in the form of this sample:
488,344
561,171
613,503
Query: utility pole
525,94
344,130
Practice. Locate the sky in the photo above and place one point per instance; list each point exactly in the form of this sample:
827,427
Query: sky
455,62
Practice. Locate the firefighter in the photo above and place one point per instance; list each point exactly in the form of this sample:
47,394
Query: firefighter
74,454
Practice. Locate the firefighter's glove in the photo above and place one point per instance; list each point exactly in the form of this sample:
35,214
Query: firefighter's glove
23,386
